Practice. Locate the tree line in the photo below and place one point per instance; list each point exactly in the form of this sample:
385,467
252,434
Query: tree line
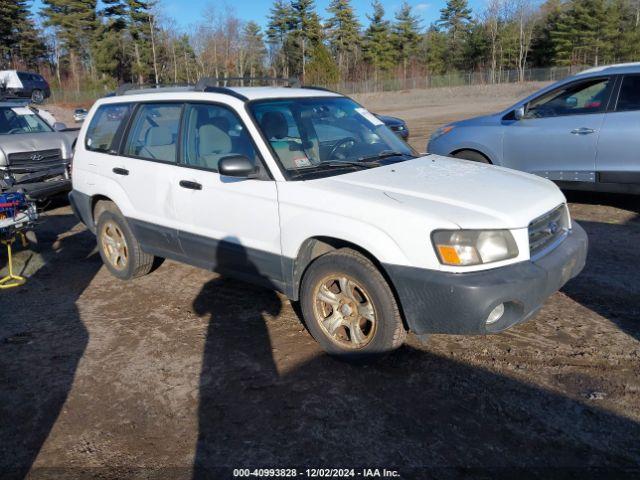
80,42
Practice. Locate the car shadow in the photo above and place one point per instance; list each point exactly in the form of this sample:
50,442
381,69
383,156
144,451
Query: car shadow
419,413
42,339
610,282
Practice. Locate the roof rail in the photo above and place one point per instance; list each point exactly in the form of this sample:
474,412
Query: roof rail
292,82
210,85
322,89
133,88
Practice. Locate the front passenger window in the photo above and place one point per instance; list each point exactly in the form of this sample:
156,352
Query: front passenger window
154,132
590,96
212,132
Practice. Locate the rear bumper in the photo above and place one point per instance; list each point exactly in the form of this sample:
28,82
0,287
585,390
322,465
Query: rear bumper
81,206
439,302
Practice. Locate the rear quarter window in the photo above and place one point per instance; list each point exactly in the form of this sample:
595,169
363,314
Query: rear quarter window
106,127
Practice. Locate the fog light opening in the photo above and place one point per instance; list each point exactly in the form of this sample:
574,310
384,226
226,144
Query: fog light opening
496,314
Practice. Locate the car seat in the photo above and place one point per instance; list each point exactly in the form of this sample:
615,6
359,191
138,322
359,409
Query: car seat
289,150
159,144
213,144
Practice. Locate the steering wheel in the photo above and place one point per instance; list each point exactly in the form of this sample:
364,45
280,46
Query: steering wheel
14,130
345,144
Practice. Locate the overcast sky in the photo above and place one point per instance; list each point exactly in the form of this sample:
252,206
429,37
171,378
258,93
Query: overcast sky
257,10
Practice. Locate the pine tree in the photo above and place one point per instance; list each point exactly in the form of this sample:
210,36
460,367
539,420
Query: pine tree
321,69
20,40
306,32
584,33
343,32
405,35
455,18
377,39
278,29
253,44
75,24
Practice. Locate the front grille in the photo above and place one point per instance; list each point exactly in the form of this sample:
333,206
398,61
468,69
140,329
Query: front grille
549,230
34,161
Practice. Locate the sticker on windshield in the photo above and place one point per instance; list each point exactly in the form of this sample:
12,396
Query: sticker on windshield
369,116
22,111
302,162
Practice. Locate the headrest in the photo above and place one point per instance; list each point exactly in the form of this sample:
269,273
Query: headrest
157,136
213,140
274,125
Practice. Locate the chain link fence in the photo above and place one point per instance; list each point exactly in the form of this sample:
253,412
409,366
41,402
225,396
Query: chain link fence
454,79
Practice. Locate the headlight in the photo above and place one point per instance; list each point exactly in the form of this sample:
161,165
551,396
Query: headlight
442,131
473,247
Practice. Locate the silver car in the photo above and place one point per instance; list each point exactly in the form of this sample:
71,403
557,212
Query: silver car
582,132
34,156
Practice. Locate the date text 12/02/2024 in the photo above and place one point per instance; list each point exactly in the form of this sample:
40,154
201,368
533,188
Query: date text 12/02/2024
316,473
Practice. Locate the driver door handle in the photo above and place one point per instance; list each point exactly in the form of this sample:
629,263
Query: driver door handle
583,131
120,171
190,185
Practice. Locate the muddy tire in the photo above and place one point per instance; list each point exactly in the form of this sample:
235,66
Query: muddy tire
349,307
472,156
119,249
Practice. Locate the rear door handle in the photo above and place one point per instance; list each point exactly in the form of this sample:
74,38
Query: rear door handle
583,131
120,171
190,185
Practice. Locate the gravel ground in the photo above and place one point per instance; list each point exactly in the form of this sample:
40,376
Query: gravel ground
183,370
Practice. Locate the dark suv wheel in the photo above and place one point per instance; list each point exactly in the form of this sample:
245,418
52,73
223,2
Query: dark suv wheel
349,307
37,96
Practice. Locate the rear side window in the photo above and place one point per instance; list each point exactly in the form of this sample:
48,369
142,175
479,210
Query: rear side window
106,127
154,132
629,98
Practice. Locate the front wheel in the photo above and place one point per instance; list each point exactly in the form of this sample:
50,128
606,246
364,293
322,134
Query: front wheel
349,307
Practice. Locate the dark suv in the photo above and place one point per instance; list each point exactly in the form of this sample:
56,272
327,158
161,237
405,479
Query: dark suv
24,85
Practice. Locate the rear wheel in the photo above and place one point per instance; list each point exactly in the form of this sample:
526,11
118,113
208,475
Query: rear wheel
472,155
349,307
37,96
119,249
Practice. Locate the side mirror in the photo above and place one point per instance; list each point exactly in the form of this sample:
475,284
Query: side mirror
59,126
519,113
236,166
572,102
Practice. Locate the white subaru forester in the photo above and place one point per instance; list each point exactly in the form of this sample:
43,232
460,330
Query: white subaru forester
304,191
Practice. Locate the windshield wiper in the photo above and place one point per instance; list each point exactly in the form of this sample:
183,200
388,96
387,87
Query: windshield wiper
382,155
333,164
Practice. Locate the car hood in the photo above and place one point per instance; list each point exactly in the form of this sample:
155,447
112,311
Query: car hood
481,120
30,142
468,194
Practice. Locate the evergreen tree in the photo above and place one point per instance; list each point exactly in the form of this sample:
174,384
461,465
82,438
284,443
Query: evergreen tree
20,40
584,33
377,39
343,32
306,31
455,18
278,29
75,24
253,44
434,51
321,70
405,35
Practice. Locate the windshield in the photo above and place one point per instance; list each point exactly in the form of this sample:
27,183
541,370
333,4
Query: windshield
309,135
15,120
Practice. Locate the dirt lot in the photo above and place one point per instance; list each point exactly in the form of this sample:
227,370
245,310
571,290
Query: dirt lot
103,379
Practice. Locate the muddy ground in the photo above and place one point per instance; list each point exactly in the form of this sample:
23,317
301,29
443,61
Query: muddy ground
145,379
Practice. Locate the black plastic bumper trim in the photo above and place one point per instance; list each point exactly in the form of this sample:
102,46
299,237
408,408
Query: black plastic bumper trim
449,303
